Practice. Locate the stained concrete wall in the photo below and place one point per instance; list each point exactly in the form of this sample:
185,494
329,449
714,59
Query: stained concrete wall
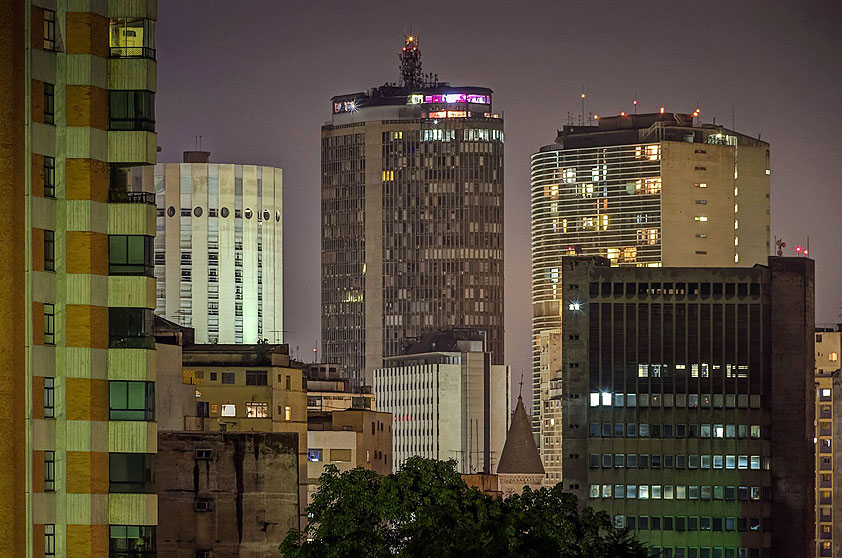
250,482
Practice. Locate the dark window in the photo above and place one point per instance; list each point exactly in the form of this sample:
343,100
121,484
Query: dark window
130,328
49,397
131,541
49,471
227,377
132,400
131,255
49,250
49,540
49,29
256,377
49,176
49,103
131,472
288,382
132,110
49,324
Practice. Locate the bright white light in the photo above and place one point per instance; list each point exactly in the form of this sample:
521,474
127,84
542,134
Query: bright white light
575,306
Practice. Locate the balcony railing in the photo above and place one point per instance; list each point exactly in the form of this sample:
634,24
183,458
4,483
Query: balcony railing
132,52
123,196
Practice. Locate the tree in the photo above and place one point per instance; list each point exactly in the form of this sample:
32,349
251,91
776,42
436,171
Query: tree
425,510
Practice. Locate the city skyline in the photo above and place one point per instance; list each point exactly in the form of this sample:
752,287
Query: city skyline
763,77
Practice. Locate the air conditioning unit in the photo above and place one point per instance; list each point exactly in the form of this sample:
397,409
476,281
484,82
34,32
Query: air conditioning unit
204,505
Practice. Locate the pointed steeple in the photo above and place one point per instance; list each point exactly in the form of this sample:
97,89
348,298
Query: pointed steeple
520,455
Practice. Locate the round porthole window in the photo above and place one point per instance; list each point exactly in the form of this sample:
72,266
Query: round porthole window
171,211
278,216
247,213
197,212
266,215
224,212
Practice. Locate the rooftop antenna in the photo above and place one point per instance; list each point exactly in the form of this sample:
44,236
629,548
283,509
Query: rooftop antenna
732,117
520,392
635,102
582,122
410,57
200,143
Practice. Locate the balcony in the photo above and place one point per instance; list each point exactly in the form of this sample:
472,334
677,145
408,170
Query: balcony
132,52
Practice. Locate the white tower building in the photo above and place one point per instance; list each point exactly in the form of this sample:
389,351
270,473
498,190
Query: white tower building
218,251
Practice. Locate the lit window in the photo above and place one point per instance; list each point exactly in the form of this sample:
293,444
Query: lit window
314,454
701,185
736,224
642,370
132,38
833,357
287,412
594,399
257,410
701,218
229,410
606,399
648,185
630,254
50,35
647,236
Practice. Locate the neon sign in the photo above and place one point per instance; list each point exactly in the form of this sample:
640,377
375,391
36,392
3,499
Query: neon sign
449,98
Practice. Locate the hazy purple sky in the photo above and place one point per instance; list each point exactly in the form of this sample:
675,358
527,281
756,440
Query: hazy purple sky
255,79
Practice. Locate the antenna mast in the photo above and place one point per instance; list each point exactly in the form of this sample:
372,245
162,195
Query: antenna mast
410,67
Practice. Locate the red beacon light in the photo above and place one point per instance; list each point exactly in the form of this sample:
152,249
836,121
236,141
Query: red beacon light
623,113
662,110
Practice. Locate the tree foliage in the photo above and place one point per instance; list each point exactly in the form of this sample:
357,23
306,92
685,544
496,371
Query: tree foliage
425,510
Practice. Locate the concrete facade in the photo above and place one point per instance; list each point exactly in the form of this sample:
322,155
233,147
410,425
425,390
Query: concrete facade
76,306
687,403
229,494
451,403
219,249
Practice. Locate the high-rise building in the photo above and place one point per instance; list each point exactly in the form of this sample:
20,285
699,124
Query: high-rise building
828,428
219,249
449,401
687,403
658,189
76,108
412,217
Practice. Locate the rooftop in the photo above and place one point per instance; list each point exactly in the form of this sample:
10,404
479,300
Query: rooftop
520,454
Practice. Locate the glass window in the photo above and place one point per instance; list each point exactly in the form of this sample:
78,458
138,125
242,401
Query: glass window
257,410
717,461
643,430
131,472
131,541
643,493
606,490
131,328
49,529
755,462
656,492
730,462
49,103
49,33
256,377
49,250
132,110
755,431
49,324
132,38
49,471
49,176
228,377
594,491
619,490
314,454
131,255
742,462
132,400
49,397
229,411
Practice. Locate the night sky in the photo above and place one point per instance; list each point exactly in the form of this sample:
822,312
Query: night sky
255,78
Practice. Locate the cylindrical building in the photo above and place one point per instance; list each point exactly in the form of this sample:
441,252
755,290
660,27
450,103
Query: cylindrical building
412,217
218,252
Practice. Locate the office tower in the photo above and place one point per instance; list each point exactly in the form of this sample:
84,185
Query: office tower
687,403
828,427
76,108
219,249
412,217
657,189
448,399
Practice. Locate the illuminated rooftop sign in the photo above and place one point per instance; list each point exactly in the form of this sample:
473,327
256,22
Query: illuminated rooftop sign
449,98
345,106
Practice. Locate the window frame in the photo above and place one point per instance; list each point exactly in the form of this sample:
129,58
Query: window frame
128,265
131,110
49,250
49,471
49,397
49,177
146,485
49,103
49,323
129,413
124,549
